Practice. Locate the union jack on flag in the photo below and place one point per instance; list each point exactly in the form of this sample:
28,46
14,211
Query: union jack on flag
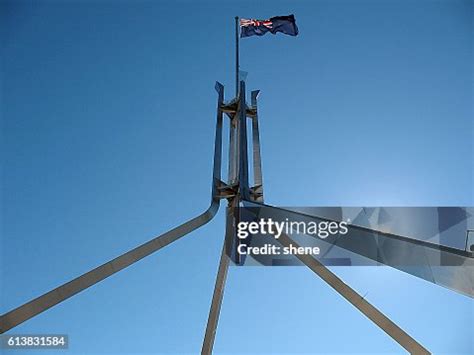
245,22
283,24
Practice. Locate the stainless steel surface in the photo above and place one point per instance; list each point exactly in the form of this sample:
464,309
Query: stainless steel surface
218,294
40,304
381,320
243,173
445,266
257,160
69,289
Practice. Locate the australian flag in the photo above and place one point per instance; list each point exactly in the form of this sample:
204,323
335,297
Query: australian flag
283,24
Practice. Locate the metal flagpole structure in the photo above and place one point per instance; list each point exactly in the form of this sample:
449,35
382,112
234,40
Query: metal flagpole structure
238,112
237,191
237,64
238,188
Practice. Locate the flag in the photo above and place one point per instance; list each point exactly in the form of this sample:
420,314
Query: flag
283,24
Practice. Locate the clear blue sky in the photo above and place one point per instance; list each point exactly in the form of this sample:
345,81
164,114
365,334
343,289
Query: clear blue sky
108,112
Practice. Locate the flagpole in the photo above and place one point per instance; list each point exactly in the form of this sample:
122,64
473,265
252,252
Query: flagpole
236,56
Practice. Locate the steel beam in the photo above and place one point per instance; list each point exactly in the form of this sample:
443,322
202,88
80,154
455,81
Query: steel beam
257,160
381,320
69,289
218,294
232,171
243,174
445,266
40,304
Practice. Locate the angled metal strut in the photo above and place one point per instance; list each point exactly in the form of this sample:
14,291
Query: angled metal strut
371,312
69,289
217,298
38,305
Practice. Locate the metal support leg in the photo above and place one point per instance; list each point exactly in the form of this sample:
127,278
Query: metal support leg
69,289
218,294
381,320
216,304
